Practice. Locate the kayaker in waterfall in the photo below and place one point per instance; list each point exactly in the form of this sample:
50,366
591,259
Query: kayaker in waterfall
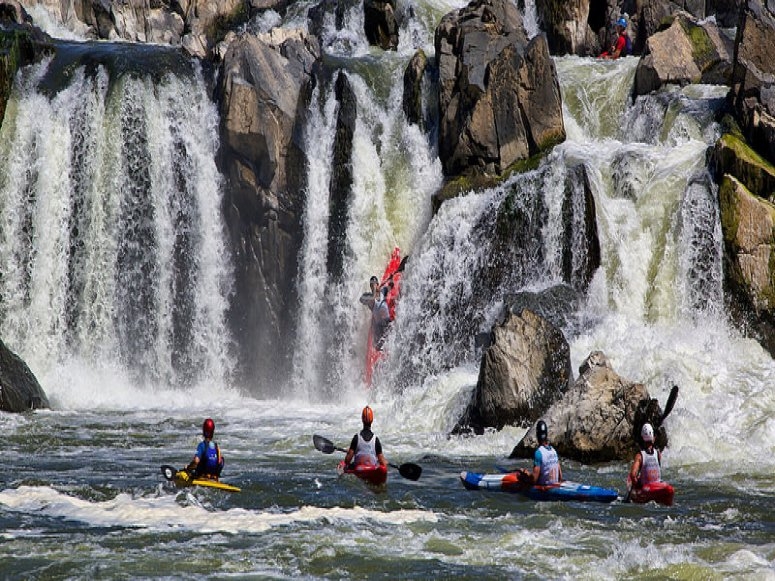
622,45
546,463
380,312
646,467
207,462
371,297
365,447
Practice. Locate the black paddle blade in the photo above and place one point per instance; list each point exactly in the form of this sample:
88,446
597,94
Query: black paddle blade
409,471
168,472
669,404
324,445
402,265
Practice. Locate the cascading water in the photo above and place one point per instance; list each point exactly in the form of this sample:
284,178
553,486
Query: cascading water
112,245
81,481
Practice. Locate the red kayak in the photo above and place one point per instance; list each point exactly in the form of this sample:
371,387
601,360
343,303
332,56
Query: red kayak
375,475
659,492
392,274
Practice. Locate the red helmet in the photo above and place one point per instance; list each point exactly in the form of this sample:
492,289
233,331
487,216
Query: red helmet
208,428
367,415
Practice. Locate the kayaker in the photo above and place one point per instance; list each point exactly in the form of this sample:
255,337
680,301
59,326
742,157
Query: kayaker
377,302
365,447
622,46
646,467
546,463
371,297
207,462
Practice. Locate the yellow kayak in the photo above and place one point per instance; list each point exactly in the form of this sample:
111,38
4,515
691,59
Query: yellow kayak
181,478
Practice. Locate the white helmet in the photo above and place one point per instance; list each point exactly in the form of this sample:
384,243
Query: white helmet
647,433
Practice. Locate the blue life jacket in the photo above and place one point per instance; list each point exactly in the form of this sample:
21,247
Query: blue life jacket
209,457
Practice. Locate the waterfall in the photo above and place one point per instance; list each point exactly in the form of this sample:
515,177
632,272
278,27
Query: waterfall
394,176
112,245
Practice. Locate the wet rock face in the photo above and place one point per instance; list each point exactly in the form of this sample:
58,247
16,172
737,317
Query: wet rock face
753,79
265,84
499,97
19,389
380,24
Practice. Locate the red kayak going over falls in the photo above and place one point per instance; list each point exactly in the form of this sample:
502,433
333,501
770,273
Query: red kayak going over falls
382,302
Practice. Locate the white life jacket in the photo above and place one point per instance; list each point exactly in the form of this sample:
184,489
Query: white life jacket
550,466
366,452
650,470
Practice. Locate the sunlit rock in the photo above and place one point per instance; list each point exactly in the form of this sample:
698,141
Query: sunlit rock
596,418
748,227
499,97
686,52
753,80
524,370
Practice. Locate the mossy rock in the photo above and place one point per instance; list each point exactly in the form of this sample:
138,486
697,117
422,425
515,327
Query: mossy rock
734,156
703,50
468,183
748,227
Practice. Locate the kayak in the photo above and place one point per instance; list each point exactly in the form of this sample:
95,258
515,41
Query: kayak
182,479
374,475
659,492
511,482
392,274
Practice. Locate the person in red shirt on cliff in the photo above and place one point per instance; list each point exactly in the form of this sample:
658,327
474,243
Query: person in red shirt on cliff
622,46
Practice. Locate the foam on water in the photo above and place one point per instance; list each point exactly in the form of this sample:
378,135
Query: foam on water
163,512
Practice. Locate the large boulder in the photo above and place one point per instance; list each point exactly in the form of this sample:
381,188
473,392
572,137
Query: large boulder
524,370
19,389
748,228
263,90
499,97
686,52
595,420
753,79
379,23
569,26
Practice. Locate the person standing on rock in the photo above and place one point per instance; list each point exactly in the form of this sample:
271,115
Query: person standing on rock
622,46
546,463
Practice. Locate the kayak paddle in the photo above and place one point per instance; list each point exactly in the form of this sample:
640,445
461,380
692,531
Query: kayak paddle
408,470
168,471
669,404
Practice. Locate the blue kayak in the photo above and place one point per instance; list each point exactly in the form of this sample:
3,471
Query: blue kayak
511,482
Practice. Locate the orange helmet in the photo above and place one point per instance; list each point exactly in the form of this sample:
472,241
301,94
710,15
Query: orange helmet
208,428
367,415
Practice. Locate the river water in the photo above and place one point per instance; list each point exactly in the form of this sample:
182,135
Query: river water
82,495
